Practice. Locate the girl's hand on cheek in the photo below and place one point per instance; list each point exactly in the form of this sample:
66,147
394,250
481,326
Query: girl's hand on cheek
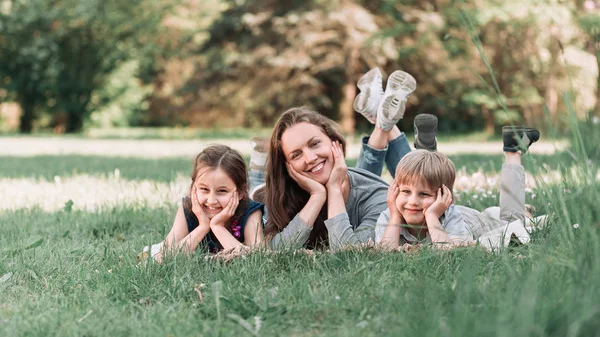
309,185
340,169
203,220
442,201
226,213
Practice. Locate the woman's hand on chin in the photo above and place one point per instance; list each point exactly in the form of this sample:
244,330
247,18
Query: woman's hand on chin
309,185
339,173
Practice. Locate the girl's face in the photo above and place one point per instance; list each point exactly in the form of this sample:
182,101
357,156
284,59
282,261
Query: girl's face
214,189
308,150
413,200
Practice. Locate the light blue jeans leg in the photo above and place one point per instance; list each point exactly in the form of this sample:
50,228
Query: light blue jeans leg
372,159
397,149
369,158
255,179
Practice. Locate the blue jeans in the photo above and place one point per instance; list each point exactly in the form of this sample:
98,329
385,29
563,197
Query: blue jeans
372,160
255,179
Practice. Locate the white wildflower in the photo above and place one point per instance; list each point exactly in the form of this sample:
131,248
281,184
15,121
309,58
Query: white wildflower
576,226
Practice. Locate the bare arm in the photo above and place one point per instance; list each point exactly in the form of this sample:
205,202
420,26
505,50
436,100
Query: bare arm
437,233
440,236
180,239
253,233
391,236
219,221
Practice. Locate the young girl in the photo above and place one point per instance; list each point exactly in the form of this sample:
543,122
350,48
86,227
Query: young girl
217,214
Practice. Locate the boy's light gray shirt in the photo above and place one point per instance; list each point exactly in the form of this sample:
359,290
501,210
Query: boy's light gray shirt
452,221
367,200
460,222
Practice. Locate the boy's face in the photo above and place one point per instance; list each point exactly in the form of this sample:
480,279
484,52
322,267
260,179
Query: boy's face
413,200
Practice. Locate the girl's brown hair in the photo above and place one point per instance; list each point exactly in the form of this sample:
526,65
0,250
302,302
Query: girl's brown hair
222,157
284,197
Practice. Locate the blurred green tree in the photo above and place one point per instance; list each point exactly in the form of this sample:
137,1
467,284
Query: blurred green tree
265,56
589,21
485,63
56,53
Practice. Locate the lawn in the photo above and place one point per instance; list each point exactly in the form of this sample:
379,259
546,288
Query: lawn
71,227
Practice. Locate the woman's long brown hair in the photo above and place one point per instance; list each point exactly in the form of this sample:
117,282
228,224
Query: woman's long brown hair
284,197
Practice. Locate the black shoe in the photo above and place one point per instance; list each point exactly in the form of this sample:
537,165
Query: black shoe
425,132
519,138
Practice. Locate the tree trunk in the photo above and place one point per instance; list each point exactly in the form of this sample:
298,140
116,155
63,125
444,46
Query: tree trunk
349,92
488,121
76,105
74,121
551,95
346,110
596,111
27,114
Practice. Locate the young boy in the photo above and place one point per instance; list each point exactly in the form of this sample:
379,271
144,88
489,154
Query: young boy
420,207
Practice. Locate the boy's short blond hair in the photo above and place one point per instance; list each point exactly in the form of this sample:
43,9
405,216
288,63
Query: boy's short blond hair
432,168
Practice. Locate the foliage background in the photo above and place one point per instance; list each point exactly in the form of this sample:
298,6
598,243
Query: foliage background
75,63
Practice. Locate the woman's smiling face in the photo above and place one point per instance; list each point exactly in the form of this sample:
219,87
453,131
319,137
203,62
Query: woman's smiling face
308,150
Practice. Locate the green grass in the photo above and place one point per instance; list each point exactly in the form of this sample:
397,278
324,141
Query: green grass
84,279
74,272
165,169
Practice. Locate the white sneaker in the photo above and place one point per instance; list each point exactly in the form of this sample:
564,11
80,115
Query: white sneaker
371,91
399,86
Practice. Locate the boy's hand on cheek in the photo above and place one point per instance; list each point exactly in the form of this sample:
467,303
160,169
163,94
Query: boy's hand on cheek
440,205
393,192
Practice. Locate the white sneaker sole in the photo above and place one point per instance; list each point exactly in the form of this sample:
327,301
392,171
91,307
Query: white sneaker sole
399,86
371,91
